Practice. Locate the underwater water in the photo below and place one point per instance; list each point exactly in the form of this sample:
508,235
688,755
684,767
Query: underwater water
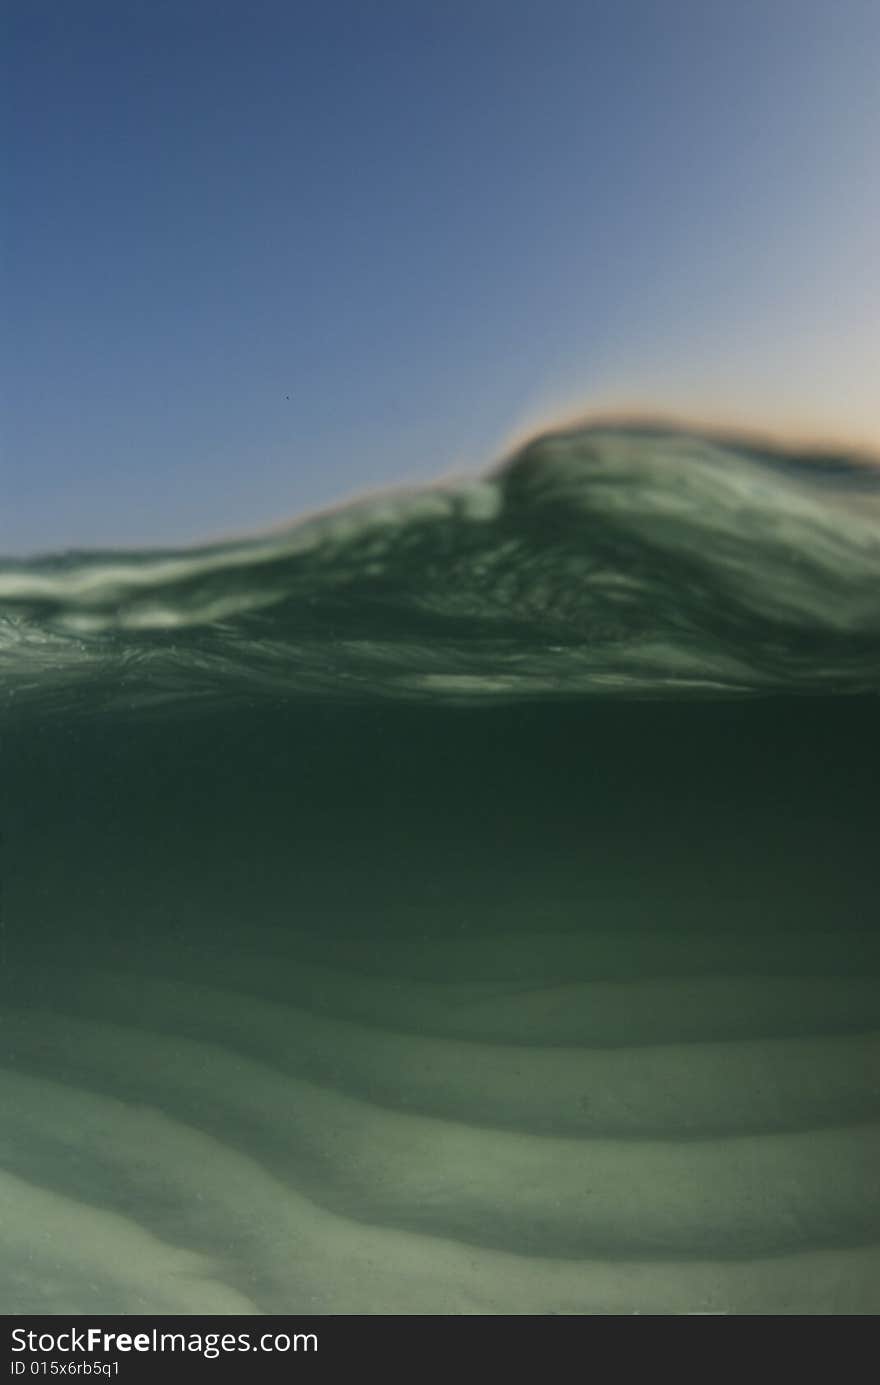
461,902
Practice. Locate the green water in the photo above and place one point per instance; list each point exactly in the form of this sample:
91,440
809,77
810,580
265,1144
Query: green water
485,923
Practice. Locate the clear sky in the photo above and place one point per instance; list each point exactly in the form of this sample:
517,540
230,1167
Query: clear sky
260,254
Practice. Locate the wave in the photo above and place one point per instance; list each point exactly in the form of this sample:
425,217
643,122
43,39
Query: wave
638,561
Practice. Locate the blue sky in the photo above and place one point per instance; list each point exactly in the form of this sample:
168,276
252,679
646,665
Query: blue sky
258,255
